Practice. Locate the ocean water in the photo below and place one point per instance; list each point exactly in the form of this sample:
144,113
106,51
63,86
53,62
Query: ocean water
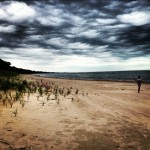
109,76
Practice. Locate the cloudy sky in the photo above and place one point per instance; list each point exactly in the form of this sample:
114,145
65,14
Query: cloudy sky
76,35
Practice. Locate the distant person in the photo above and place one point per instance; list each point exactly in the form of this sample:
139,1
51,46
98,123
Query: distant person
139,81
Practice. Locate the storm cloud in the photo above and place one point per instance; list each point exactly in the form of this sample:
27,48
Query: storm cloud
85,35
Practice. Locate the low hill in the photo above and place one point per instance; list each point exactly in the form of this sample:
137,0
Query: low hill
6,68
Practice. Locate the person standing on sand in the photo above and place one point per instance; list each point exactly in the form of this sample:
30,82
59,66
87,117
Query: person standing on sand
139,81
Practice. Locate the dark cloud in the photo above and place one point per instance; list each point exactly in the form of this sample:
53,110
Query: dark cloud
137,35
76,27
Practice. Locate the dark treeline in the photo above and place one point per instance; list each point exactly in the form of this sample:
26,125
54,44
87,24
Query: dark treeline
6,68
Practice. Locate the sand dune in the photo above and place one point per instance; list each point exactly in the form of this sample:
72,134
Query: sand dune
102,116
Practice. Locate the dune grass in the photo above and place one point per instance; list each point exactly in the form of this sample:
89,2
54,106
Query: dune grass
14,89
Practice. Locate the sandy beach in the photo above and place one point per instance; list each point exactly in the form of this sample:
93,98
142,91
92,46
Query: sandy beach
102,116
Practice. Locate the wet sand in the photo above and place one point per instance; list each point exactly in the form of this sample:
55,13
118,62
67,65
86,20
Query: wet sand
102,116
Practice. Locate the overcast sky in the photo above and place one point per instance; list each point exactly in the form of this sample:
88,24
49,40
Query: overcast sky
76,35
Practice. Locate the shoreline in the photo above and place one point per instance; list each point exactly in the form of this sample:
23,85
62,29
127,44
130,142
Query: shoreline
118,76
124,81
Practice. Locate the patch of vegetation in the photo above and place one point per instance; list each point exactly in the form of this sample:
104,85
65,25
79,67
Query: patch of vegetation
8,73
14,89
12,84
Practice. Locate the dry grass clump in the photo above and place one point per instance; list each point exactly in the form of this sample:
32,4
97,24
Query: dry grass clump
14,90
